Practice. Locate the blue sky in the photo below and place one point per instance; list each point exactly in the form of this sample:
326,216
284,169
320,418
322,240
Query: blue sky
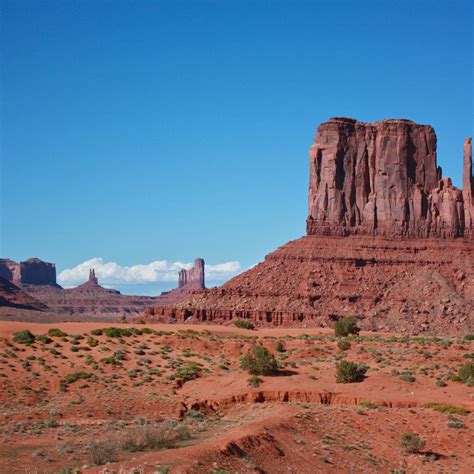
137,131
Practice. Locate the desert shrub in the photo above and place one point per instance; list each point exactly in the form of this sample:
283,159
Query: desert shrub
75,349
244,324
455,423
442,408
55,332
96,332
254,381
469,337
346,326
441,383
369,405
260,362
74,377
407,377
466,371
119,354
109,360
51,423
189,372
195,414
350,372
92,342
412,443
147,331
101,452
344,345
116,332
24,337
279,346
44,339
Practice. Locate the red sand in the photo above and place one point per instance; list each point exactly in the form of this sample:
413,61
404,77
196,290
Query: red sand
299,421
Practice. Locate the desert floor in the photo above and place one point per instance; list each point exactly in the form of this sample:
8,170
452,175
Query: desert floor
173,398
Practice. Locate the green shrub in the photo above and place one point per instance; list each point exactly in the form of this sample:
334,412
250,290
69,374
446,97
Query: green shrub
24,337
254,381
469,337
190,372
280,347
74,377
412,443
346,326
407,377
55,332
442,408
244,324
350,372
344,345
260,362
369,405
92,342
96,332
116,332
466,371
44,339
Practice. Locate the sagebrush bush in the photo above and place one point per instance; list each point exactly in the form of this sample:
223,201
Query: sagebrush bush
466,371
24,337
188,372
55,332
346,326
350,372
280,347
344,345
74,377
412,443
260,362
244,324
101,452
254,381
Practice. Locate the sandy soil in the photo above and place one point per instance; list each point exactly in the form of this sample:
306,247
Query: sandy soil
173,398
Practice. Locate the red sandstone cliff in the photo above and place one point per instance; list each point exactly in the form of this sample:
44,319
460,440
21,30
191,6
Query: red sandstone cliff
382,179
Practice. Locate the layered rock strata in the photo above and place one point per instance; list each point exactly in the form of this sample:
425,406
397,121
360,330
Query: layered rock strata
382,179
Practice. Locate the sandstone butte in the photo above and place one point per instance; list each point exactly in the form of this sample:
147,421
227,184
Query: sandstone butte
389,240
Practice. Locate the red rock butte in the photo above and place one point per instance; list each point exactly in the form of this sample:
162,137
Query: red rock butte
382,179
389,240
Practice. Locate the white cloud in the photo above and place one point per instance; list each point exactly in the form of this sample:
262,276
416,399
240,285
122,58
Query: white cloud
110,273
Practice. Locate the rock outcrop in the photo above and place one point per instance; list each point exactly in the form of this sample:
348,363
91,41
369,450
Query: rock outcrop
10,270
389,241
382,179
36,272
194,277
468,189
14,297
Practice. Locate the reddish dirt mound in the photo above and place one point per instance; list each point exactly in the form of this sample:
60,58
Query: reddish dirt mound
405,286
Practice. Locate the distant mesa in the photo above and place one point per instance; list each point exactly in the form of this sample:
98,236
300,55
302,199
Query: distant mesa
30,272
32,285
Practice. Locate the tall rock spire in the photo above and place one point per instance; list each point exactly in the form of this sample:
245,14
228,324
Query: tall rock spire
468,188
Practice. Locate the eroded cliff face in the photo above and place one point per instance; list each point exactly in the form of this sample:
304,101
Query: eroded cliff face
382,179
36,272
